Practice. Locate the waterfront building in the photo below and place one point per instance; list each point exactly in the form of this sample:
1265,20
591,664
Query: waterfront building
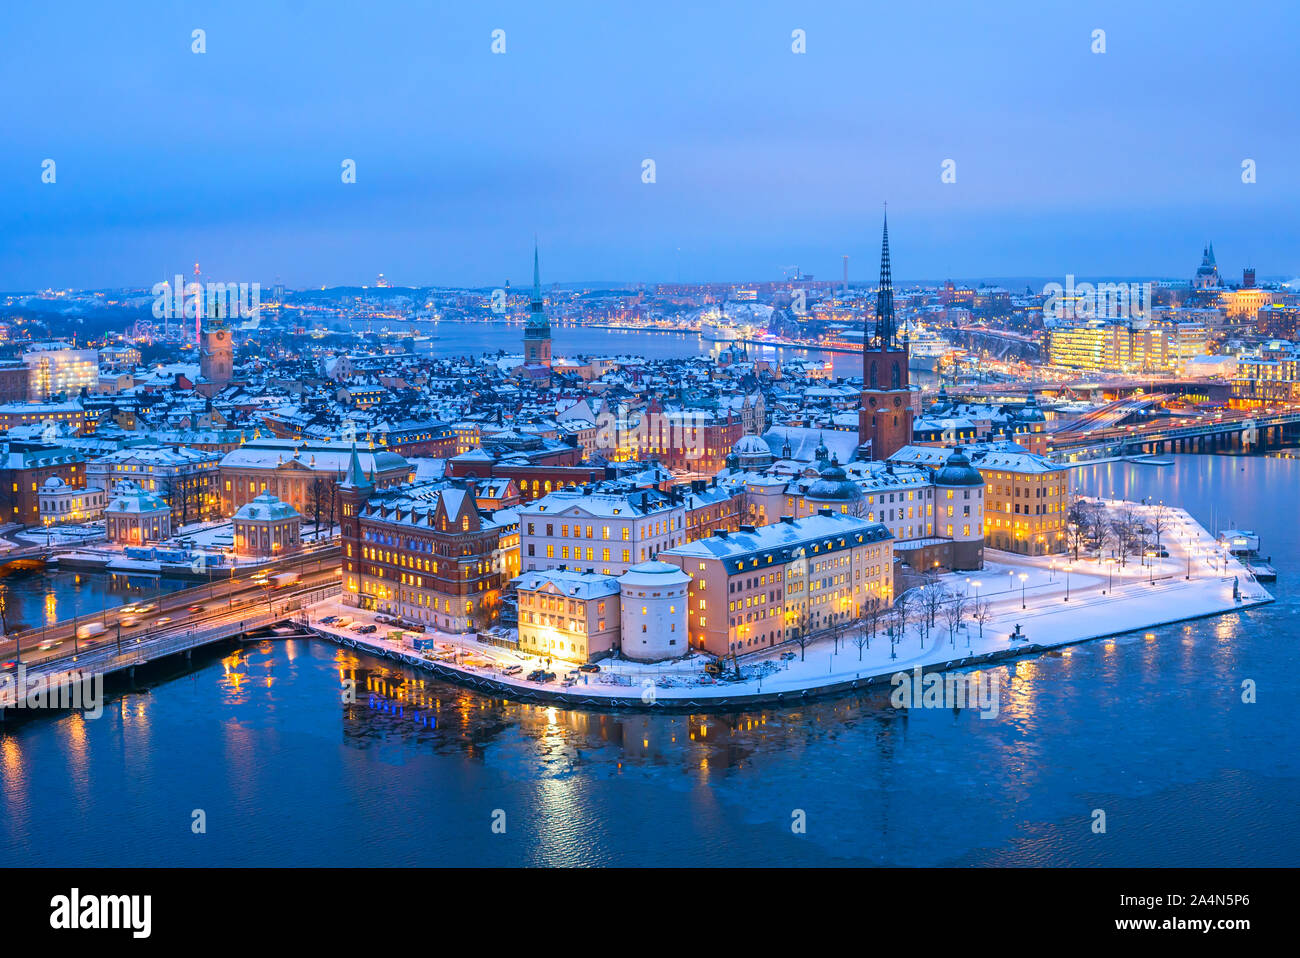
1026,496
568,615
755,588
187,479
422,552
652,611
135,516
885,418
267,527
1163,343
59,502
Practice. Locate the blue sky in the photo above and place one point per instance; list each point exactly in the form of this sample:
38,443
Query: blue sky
1122,163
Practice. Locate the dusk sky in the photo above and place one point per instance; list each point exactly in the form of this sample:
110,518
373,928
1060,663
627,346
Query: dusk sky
1122,163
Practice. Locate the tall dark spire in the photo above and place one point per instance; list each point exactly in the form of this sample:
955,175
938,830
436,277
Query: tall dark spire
537,277
885,325
537,320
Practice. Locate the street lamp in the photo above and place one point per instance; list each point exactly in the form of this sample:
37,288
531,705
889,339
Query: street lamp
1067,582
1023,577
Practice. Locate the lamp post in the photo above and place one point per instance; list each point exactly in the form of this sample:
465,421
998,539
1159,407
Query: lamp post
1023,577
1067,582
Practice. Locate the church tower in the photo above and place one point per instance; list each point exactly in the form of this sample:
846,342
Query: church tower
216,351
537,332
885,419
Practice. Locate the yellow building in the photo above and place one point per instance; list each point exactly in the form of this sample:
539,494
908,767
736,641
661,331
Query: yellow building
1026,498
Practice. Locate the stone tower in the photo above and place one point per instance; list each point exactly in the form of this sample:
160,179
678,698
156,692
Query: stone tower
885,419
216,352
537,332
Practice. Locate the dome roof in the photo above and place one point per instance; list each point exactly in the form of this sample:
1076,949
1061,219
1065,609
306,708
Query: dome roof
751,445
654,573
54,482
833,486
266,507
957,471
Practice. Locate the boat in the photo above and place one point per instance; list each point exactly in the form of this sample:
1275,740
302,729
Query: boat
1243,544
926,348
1150,461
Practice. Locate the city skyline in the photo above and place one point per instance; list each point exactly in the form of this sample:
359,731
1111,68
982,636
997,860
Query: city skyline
1066,160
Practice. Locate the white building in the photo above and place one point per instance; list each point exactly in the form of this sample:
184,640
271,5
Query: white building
653,600
55,368
60,502
598,531
135,517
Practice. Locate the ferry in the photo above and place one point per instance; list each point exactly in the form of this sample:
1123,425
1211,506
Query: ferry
1243,544
926,348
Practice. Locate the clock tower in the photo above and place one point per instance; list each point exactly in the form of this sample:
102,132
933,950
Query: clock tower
885,419
216,354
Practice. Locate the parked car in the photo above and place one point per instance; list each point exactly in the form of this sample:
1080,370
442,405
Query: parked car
512,670
329,620
536,675
589,667
787,656
367,629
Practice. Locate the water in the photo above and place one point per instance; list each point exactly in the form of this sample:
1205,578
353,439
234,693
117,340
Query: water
33,598
467,339
1151,731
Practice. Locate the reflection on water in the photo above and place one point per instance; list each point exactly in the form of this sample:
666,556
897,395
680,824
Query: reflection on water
37,597
411,770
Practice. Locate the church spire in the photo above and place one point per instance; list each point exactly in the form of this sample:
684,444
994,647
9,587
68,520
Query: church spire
885,326
537,279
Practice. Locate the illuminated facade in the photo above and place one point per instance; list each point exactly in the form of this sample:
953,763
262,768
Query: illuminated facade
421,552
267,527
754,588
60,502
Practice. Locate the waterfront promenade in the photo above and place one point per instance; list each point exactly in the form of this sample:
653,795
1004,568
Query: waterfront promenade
1053,607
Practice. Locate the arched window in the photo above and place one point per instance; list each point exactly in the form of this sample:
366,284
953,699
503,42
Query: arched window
894,377
873,380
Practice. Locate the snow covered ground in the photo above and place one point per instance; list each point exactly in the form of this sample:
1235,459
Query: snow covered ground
1056,603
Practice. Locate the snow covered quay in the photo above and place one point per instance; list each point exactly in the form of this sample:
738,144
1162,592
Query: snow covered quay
1016,606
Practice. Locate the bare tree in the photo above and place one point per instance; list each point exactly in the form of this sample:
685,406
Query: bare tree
859,634
982,612
954,609
316,497
801,631
931,601
1160,523
897,618
1124,529
1077,524
836,625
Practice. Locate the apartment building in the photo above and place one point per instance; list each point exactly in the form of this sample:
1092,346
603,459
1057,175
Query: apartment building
754,588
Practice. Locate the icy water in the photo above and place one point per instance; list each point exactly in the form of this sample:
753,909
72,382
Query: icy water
1151,731
465,339
33,598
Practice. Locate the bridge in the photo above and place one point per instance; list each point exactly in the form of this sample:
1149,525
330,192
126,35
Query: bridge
29,556
1228,430
58,664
